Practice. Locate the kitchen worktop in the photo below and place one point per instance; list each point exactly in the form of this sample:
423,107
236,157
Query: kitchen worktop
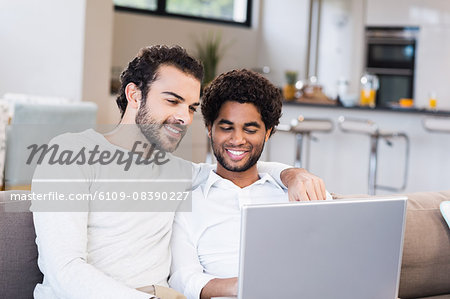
342,158
380,109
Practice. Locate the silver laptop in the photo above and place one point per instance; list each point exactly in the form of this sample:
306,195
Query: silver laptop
334,249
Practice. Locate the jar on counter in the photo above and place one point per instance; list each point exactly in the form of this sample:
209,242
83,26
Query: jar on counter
369,87
432,100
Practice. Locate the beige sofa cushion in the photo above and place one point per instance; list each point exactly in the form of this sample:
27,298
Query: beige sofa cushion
437,297
426,250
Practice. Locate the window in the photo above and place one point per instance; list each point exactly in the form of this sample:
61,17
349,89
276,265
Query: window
234,12
138,4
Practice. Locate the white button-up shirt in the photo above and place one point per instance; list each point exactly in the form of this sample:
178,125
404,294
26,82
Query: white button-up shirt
205,242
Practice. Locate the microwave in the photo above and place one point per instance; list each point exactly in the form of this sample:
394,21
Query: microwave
391,56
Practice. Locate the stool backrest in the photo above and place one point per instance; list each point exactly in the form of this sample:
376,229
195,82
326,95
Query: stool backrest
437,124
311,125
356,125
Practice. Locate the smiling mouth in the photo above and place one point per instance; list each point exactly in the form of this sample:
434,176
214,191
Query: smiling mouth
235,154
174,131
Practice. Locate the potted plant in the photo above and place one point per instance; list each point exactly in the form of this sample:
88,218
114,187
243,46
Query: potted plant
210,51
289,89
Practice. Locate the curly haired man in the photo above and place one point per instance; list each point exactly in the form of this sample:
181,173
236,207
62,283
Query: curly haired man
241,109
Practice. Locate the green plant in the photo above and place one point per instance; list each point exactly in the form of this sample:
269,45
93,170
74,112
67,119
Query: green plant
210,51
291,77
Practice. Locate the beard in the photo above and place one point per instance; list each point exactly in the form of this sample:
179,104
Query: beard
153,131
254,152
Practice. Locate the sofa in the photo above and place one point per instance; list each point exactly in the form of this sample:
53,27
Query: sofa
425,270
18,251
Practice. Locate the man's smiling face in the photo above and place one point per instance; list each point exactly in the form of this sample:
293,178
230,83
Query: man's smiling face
169,107
238,136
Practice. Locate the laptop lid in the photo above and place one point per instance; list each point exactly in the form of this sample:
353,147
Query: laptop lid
332,249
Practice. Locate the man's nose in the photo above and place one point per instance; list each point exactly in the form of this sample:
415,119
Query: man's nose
183,116
237,137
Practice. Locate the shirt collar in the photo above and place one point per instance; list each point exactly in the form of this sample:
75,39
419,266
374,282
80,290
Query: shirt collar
214,178
265,177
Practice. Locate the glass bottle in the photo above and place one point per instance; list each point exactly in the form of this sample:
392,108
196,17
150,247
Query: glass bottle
369,87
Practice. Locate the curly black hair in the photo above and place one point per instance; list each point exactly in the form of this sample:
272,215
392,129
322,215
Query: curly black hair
143,69
243,86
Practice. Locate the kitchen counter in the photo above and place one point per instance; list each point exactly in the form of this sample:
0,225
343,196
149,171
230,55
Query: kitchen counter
379,109
342,159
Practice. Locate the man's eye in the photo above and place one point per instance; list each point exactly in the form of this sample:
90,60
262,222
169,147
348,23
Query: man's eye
226,128
250,131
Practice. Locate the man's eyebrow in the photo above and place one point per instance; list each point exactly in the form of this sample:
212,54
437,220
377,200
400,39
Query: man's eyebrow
225,122
174,94
180,98
252,124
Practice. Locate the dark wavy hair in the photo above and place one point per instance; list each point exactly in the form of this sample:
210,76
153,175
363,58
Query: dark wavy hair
243,86
143,69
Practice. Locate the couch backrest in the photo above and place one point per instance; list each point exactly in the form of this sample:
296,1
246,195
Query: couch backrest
426,249
18,250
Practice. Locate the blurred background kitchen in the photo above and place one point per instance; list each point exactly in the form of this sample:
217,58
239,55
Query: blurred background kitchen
366,82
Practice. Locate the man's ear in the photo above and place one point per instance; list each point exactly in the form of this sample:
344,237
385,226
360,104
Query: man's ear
133,94
268,134
209,127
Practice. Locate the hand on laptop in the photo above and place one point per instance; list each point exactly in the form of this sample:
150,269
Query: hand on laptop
302,185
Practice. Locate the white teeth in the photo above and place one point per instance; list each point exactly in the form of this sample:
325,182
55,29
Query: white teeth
172,130
236,153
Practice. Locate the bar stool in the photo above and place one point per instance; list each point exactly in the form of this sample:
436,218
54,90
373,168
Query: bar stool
303,128
437,124
367,127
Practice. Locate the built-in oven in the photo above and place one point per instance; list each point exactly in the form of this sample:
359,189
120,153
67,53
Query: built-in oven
391,55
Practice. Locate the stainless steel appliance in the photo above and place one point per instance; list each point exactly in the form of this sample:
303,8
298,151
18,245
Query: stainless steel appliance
390,54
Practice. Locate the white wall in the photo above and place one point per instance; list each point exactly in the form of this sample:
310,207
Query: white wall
341,45
408,12
98,35
42,44
283,40
134,31
433,61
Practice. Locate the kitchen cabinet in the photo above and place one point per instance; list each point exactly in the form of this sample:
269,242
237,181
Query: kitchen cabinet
433,46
